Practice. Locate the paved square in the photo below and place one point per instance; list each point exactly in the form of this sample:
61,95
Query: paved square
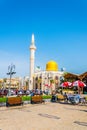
48,116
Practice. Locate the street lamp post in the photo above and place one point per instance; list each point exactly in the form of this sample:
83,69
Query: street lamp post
11,71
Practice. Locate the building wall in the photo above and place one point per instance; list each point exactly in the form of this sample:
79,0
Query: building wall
47,80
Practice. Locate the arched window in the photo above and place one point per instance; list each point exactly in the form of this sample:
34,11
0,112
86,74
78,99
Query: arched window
36,86
36,78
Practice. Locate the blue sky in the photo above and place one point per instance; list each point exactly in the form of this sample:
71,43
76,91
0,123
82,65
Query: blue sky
60,29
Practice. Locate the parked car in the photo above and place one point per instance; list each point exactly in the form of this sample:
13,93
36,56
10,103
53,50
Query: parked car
27,92
20,92
3,92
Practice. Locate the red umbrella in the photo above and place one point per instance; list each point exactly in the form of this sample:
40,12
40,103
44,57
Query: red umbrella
78,83
66,84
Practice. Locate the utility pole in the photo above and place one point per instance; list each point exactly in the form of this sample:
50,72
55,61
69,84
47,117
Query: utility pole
11,71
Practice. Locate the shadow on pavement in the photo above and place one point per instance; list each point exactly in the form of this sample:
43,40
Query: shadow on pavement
81,123
48,116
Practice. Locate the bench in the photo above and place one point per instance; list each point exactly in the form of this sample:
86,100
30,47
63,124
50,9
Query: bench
14,101
37,99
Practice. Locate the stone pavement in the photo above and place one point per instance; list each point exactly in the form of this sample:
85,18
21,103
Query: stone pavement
48,116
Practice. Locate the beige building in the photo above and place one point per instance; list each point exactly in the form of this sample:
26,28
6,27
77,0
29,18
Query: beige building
48,79
13,83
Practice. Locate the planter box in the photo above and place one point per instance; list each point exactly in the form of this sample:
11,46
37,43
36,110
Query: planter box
47,100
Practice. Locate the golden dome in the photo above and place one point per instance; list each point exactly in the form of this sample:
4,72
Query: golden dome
51,66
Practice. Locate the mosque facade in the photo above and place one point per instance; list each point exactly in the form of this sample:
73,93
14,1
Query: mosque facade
49,79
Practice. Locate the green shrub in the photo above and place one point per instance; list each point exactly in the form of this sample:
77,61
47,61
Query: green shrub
3,99
26,98
46,96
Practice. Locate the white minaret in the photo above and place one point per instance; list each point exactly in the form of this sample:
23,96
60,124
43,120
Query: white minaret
32,59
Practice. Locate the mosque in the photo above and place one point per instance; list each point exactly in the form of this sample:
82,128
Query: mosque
43,80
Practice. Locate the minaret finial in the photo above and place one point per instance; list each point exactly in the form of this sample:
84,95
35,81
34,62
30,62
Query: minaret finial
32,40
